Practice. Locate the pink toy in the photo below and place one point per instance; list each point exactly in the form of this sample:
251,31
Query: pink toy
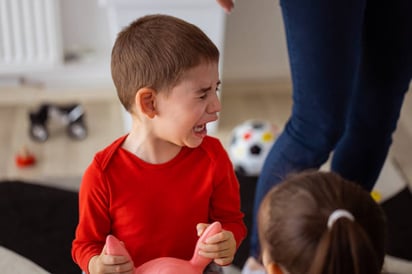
168,265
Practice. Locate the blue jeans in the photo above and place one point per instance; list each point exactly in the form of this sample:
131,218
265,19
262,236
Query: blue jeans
351,65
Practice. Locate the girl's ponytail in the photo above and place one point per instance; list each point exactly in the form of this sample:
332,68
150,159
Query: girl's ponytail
320,223
345,248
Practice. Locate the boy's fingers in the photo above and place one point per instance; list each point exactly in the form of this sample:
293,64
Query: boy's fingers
217,238
200,228
224,261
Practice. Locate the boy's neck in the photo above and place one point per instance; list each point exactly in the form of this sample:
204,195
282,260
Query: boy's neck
149,150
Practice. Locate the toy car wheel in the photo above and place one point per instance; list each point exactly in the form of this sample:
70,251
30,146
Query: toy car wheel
39,133
77,130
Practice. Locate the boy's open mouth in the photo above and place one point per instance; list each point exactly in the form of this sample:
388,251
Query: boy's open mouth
199,128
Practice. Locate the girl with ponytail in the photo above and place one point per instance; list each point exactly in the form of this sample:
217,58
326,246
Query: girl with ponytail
319,223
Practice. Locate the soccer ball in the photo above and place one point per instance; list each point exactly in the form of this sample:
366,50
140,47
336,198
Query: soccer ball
250,144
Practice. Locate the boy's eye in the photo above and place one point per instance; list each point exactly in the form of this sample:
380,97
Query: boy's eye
203,96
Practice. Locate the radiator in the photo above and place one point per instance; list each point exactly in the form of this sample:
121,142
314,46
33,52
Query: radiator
30,35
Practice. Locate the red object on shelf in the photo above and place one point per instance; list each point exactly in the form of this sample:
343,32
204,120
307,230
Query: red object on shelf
25,158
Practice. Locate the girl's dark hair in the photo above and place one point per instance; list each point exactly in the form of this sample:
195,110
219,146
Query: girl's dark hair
154,51
293,226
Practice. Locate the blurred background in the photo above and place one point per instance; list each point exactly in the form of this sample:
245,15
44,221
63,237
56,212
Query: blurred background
81,33
57,52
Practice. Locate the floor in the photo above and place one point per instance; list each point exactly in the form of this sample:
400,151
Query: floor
61,161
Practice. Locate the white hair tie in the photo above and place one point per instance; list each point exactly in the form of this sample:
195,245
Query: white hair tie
339,213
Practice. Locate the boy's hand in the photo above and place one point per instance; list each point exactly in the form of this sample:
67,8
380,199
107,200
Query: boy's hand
103,264
227,5
220,247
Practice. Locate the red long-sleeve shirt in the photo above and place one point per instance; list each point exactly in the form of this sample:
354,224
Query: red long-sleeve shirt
154,208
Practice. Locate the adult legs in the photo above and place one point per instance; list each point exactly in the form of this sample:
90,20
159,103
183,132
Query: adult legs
323,39
384,77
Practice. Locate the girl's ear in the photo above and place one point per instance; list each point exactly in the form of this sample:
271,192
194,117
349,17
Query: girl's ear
145,100
273,268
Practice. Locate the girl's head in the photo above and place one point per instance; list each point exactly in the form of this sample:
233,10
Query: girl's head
154,51
294,232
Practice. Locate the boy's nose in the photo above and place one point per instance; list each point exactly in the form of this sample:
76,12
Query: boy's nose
214,105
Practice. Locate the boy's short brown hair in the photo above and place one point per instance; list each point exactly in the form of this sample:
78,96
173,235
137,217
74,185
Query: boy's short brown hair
154,51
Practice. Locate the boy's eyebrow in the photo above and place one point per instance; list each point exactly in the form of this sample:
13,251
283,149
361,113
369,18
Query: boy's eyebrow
208,88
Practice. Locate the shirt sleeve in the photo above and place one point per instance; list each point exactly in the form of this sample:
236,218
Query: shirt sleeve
94,220
225,204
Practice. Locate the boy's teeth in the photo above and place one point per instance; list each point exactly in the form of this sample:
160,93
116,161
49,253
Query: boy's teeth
199,128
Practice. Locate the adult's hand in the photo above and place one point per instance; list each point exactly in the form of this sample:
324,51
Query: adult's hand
227,5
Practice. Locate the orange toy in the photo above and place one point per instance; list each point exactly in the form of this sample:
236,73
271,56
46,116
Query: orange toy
168,265
25,158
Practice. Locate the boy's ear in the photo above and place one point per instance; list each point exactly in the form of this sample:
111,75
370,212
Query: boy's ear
273,268
145,100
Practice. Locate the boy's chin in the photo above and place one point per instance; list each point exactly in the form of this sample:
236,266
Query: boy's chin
194,144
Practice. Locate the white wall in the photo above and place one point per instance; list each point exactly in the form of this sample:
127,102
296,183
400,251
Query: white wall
254,48
84,24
